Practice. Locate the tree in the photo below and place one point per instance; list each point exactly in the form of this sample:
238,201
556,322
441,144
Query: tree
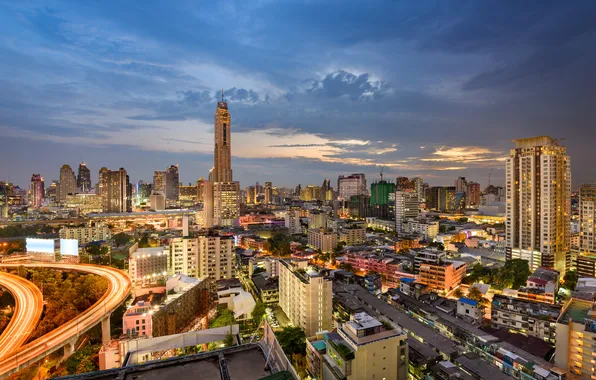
458,293
474,294
292,340
570,280
229,340
224,317
258,270
121,239
258,312
347,267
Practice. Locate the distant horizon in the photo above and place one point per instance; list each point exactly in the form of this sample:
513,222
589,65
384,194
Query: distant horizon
424,90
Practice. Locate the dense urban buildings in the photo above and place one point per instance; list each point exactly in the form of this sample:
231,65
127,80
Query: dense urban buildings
538,183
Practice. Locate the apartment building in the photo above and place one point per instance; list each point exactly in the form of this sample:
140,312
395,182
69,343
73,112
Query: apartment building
86,234
323,239
148,265
576,334
305,296
364,348
443,276
428,229
525,317
353,235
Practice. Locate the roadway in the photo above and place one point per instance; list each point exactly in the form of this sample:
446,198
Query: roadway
119,287
27,311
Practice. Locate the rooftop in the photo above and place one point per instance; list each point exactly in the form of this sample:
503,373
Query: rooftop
576,310
246,362
468,301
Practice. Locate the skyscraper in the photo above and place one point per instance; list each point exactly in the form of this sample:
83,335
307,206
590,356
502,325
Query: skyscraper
403,184
115,191
473,194
538,183
461,185
419,188
68,183
84,178
221,192
172,186
36,190
350,185
159,182
406,207
268,193
587,219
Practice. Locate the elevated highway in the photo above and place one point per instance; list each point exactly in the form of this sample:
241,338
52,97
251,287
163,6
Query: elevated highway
118,290
27,311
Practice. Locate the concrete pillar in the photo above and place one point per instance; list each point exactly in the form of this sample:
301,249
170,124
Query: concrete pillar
69,349
105,330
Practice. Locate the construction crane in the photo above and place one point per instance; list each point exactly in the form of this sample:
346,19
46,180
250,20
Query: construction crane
382,167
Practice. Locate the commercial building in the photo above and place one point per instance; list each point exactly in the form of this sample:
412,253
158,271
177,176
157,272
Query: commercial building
67,184
363,348
576,333
585,253
86,234
538,182
148,265
137,319
525,317
221,193
268,193
351,185
84,178
323,239
172,186
473,194
389,265
188,195
426,228
406,207
116,191
85,203
305,296
353,234
36,191
441,198
419,188
379,192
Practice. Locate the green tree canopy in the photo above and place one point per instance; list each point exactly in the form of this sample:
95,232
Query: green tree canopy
458,293
292,340
224,317
258,313
121,238
570,280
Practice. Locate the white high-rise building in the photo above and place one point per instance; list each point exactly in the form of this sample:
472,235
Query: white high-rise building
406,207
419,188
305,296
350,185
293,220
208,255
538,183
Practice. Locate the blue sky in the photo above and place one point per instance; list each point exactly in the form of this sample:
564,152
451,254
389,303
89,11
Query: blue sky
435,89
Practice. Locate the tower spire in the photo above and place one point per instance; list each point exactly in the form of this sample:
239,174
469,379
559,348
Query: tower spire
222,96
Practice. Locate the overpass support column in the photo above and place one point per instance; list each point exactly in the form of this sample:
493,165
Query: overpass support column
69,349
105,330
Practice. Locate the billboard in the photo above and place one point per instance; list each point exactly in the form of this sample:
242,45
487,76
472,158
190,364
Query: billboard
40,245
69,247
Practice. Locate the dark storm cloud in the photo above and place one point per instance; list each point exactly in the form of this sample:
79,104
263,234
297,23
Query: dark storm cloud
355,87
239,95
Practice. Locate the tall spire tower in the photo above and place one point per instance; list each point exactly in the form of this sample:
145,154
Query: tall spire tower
221,193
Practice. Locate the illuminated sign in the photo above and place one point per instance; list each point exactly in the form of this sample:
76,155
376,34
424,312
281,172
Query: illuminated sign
69,247
40,245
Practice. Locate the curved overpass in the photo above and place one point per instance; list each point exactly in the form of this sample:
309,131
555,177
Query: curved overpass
119,287
28,308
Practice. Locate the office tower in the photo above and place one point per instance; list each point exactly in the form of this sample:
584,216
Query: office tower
115,191
67,184
461,185
216,254
305,296
159,182
298,190
419,188
36,190
403,184
101,181
370,350
587,218
379,192
326,191
200,188
268,193
348,186
293,220
143,193
473,194
84,178
441,198
538,182
406,207
222,193
172,186
52,191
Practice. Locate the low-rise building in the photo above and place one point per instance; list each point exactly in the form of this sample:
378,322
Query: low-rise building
322,239
429,229
525,317
388,265
469,309
237,300
267,288
137,319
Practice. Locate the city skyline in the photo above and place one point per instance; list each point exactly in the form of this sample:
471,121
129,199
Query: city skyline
84,83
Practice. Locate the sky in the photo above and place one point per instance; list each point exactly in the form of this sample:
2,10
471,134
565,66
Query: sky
316,88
